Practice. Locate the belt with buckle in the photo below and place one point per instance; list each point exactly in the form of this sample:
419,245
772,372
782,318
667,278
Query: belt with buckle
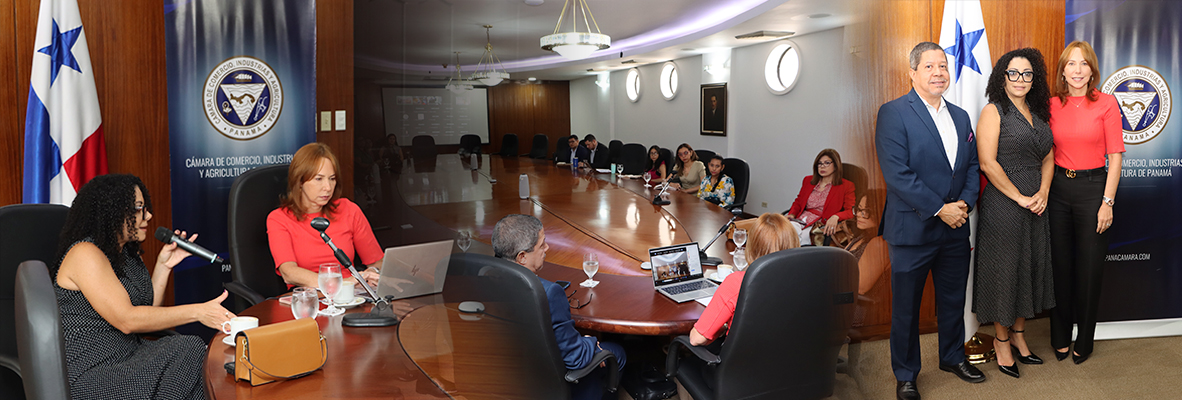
1072,173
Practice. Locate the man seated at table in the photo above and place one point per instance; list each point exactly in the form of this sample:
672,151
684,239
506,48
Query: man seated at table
566,155
521,239
593,155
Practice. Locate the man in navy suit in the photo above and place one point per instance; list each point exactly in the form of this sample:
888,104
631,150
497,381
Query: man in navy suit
592,154
929,161
521,239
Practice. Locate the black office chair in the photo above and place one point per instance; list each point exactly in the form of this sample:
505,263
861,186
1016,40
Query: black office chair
39,336
739,172
633,156
667,157
705,155
253,196
613,151
470,143
791,319
27,232
509,145
538,150
559,147
423,146
513,294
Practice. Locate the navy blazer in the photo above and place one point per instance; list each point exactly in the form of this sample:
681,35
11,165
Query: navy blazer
602,159
915,167
576,349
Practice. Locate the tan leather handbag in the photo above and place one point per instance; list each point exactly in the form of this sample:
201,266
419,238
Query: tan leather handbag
282,351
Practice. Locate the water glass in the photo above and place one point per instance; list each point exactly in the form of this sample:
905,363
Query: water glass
590,266
464,241
740,258
329,278
647,177
304,303
740,237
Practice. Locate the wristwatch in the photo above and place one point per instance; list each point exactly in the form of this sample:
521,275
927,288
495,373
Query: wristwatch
1109,201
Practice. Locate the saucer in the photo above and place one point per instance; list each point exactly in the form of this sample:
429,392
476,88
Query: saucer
646,265
356,302
229,341
714,277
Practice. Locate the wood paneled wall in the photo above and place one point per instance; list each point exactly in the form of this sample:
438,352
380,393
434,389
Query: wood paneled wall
526,110
126,41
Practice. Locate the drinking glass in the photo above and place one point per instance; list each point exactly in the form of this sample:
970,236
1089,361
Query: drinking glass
329,280
464,241
619,169
304,303
647,177
740,259
740,237
590,266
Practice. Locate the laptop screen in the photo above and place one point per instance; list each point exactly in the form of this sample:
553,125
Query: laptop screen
675,263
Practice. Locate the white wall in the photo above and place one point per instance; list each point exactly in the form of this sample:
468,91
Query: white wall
778,135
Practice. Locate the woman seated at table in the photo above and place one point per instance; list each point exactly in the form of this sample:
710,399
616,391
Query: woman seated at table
312,191
655,166
106,297
824,199
771,233
688,171
717,188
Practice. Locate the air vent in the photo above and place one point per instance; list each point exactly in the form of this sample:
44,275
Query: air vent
765,35
629,62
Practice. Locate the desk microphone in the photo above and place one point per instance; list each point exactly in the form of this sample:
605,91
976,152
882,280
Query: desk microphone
381,314
713,261
166,236
657,200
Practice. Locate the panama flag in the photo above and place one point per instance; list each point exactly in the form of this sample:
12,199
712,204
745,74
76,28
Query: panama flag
63,129
962,35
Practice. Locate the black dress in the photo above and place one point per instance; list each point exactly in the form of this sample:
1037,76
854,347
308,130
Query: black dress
1013,278
104,363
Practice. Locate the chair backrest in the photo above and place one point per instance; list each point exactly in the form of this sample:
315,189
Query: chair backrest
739,172
791,319
541,142
39,337
705,155
613,151
253,196
667,157
470,143
560,146
633,156
509,145
515,296
857,175
27,232
423,146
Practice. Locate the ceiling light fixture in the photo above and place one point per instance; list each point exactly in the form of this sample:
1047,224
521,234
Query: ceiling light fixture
457,84
486,72
575,45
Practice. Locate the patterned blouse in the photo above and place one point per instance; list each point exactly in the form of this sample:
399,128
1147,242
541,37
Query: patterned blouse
812,209
722,193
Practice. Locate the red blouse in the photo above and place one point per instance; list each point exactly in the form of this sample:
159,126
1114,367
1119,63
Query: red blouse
1086,131
296,241
721,310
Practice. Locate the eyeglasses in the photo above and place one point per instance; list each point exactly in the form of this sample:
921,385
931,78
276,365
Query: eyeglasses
138,208
861,212
574,303
825,163
1013,74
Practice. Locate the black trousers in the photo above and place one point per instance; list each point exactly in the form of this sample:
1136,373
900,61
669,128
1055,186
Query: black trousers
1077,257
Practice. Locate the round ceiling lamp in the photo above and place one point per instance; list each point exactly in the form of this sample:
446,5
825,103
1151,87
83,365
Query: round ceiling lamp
669,80
486,72
575,45
632,85
782,68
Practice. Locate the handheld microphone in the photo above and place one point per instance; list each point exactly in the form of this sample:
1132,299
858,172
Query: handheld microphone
166,236
381,314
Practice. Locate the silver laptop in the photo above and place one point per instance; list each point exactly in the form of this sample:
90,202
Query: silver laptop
414,270
677,273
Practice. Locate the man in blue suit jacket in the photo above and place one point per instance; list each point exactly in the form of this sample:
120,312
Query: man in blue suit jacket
520,239
593,155
929,161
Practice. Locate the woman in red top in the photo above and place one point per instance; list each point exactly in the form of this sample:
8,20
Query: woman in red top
1086,125
824,199
312,192
771,233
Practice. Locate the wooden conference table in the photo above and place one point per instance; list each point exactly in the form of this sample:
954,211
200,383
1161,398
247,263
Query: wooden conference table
437,352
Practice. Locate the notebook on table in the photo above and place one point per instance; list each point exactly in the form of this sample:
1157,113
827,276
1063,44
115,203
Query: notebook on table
677,273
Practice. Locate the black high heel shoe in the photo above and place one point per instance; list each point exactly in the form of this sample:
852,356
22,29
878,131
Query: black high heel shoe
1062,355
1078,359
1012,369
1032,359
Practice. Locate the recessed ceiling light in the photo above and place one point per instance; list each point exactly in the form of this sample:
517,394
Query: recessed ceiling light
819,16
534,2
687,49
765,35
532,79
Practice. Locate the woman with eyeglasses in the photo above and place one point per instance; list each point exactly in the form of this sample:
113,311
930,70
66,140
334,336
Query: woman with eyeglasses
688,170
825,198
107,298
1012,280
655,166
1089,146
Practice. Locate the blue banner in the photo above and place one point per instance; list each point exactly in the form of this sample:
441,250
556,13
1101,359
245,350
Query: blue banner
241,94
1138,44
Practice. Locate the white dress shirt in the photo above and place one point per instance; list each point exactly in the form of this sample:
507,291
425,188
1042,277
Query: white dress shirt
947,129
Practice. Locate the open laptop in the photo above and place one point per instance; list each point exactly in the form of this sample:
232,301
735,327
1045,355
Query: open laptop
677,273
414,270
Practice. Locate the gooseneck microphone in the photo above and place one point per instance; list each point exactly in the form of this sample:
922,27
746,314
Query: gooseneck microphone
713,261
166,236
381,314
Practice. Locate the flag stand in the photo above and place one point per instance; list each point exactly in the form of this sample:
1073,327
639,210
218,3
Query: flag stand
979,349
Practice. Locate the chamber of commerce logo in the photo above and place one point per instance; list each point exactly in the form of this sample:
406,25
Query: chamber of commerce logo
1144,100
242,97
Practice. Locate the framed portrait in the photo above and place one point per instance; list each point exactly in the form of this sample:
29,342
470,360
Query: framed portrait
713,121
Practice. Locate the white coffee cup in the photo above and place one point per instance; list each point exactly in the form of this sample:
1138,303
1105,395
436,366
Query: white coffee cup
724,270
239,324
345,293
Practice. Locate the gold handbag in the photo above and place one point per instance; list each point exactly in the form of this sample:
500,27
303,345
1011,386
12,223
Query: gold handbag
282,351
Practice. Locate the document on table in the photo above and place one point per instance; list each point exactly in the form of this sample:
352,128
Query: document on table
705,301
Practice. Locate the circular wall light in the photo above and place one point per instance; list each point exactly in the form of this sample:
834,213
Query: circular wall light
669,80
782,68
632,84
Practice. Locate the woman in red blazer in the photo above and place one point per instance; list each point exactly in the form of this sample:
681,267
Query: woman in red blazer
825,198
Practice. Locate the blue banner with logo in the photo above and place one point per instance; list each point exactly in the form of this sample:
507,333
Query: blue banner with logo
1138,44
241,94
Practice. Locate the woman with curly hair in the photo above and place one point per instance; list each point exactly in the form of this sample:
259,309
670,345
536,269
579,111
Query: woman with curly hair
106,297
1013,277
